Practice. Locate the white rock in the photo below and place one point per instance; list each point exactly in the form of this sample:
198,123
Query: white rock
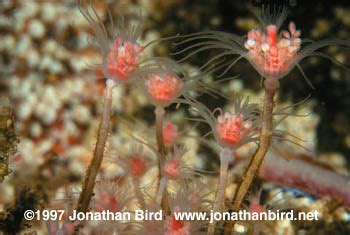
83,40
236,85
81,114
36,130
25,88
50,93
19,21
78,19
56,67
32,99
70,127
80,63
50,46
76,167
8,42
24,111
36,28
29,9
40,109
31,156
7,3
50,115
33,58
77,152
45,145
48,11
23,45
45,62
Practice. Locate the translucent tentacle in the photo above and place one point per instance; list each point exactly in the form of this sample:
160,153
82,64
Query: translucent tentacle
307,50
304,76
320,54
230,66
161,40
216,35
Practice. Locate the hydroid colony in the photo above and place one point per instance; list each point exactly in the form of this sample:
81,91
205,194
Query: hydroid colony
173,184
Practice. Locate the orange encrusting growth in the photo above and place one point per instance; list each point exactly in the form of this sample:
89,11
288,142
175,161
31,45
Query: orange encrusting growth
162,88
231,129
122,59
271,53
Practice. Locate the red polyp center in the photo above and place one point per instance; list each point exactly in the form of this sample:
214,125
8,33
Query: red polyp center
122,59
272,38
170,133
256,207
195,198
113,204
231,129
271,53
107,201
176,224
162,88
176,227
172,168
137,166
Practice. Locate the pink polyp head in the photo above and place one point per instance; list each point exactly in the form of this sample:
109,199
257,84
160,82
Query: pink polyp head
107,201
172,168
231,129
256,207
273,55
176,227
195,198
162,88
137,166
122,59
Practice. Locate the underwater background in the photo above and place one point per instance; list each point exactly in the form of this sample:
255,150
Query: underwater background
51,99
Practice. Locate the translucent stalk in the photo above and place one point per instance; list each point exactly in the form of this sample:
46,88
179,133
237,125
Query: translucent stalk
271,85
139,195
160,112
95,164
225,156
162,186
159,130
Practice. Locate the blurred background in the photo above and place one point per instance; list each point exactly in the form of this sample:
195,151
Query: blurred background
54,93
44,45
